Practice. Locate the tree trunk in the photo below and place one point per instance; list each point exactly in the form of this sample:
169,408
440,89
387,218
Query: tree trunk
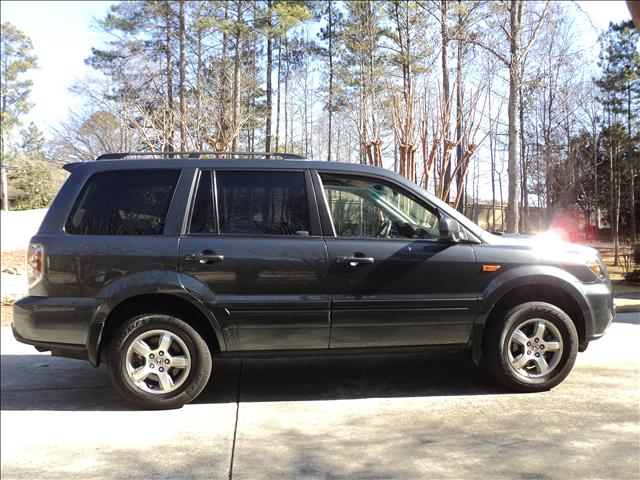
168,147
219,141
616,237
278,94
513,170
199,87
330,99
632,198
612,205
524,167
267,134
181,69
445,85
493,172
459,128
4,192
286,94
305,111
632,187
596,196
235,112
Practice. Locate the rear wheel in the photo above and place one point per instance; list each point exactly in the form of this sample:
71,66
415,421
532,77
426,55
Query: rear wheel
533,348
158,361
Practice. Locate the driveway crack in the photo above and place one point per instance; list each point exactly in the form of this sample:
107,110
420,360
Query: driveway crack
235,428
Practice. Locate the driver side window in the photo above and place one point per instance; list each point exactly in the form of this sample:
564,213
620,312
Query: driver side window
365,208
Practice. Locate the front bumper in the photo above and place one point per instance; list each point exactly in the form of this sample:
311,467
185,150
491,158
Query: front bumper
600,311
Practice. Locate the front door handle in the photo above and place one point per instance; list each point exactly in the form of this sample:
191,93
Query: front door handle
204,258
353,261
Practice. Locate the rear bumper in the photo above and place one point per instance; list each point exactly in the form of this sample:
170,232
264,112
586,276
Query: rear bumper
60,325
56,349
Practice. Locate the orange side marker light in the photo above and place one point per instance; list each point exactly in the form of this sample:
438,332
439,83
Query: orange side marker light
490,268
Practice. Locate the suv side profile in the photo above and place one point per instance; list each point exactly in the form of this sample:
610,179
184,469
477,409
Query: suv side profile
157,266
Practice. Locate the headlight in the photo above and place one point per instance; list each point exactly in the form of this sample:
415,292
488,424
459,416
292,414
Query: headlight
595,266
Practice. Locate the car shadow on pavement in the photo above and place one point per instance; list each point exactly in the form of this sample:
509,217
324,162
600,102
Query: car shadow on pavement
42,382
356,377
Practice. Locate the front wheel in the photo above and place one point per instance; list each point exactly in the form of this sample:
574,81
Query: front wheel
533,348
158,361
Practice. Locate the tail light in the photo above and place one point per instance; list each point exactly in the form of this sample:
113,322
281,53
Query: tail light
35,259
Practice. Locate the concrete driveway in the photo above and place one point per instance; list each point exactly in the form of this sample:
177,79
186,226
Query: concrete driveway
397,416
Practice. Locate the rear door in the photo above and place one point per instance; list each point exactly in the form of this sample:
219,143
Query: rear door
393,281
262,257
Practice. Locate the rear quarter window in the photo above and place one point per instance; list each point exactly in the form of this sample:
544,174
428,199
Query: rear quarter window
123,202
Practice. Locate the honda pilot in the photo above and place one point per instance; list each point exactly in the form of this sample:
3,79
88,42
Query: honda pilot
159,264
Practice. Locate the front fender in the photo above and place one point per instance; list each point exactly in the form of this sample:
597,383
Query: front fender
524,275
509,281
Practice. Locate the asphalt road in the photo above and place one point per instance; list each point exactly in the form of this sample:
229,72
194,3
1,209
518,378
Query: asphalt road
397,416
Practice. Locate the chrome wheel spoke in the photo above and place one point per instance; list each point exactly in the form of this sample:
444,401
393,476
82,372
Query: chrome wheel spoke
540,329
520,338
165,342
179,362
140,374
520,362
552,346
542,364
141,348
166,382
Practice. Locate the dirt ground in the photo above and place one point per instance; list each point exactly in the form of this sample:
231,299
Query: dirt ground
14,282
625,260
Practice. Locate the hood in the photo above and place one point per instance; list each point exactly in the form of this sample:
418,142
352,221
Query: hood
545,242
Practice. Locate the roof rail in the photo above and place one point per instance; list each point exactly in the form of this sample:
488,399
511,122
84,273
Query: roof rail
188,155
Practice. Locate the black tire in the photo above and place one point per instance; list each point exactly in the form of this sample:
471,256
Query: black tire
192,379
503,347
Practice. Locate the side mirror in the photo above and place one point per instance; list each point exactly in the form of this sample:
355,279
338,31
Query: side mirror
450,230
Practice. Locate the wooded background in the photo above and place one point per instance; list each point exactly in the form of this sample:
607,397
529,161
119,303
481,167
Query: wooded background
486,104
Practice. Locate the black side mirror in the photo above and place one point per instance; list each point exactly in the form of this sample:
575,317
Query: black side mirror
450,230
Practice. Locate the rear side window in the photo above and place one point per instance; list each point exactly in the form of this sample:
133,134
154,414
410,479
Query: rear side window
262,203
124,202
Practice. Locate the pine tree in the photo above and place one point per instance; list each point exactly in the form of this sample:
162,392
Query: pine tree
32,143
620,87
17,55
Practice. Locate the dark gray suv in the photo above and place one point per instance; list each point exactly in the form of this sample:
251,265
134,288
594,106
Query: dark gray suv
158,264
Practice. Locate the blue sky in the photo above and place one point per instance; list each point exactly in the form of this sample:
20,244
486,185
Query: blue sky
63,34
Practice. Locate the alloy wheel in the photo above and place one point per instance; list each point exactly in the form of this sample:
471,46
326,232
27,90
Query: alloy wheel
158,361
535,348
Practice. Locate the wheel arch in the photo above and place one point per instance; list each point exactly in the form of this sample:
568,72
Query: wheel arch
166,303
552,293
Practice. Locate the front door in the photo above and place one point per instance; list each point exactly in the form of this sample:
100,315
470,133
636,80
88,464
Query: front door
262,258
393,282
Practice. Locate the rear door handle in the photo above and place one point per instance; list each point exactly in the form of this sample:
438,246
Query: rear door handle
353,261
204,258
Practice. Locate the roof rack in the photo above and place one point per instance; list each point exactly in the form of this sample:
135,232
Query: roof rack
197,155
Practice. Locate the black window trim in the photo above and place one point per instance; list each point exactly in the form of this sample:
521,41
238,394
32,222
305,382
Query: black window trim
325,214
166,232
192,203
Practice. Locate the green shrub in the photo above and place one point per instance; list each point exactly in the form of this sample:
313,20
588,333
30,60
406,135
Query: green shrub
38,181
